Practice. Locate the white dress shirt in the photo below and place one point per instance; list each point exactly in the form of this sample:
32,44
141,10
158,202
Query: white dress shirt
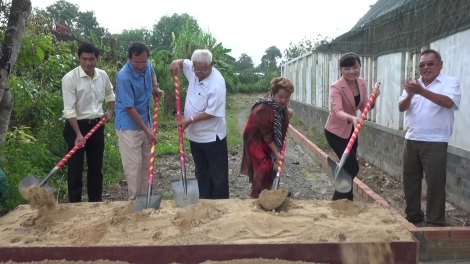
84,96
208,97
427,121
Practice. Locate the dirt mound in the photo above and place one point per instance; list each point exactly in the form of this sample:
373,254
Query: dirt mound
195,215
228,221
377,253
88,235
272,199
38,197
343,208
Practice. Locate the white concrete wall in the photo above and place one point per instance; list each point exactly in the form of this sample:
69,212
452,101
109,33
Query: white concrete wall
389,76
390,70
455,52
319,85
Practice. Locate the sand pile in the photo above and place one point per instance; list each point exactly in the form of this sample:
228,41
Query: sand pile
229,221
377,253
38,197
272,199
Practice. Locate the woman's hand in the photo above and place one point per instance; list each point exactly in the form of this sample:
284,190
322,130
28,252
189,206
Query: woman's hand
355,120
290,112
376,89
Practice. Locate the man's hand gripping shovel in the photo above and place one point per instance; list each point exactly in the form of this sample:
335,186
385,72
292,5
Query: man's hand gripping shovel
31,180
149,200
185,191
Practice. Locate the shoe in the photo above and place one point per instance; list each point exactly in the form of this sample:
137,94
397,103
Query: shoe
413,221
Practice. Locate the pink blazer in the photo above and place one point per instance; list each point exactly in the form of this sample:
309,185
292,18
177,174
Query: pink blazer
342,105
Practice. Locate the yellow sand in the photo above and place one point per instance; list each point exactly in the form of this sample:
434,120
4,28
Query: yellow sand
230,221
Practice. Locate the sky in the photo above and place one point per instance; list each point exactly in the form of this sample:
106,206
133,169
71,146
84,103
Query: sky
245,26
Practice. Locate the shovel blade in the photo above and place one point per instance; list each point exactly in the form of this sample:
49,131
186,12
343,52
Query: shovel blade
340,179
31,180
141,202
182,199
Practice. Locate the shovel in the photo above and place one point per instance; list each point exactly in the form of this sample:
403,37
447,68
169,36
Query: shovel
184,191
273,199
279,164
340,178
31,180
149,200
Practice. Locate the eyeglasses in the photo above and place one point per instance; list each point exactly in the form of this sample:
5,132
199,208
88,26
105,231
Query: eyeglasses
429,64
203,72
139,63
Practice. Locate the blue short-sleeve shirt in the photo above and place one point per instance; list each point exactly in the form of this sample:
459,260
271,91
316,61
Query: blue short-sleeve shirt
133,89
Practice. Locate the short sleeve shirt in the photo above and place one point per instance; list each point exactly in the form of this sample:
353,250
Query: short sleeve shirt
427,121
133,89
208,97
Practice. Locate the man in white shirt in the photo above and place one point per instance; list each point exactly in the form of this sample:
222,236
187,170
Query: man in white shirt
84,89
204,123
430,103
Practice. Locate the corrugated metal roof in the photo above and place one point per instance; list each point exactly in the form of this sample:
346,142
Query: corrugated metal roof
378,9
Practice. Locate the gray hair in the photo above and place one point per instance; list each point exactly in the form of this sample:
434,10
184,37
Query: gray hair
202,56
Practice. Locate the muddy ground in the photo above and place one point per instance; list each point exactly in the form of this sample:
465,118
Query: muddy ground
300,174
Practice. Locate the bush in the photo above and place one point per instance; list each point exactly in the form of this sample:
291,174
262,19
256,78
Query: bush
22,158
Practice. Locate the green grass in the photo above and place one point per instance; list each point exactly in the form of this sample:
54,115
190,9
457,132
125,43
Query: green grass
235,103
317,137
234,137
168,140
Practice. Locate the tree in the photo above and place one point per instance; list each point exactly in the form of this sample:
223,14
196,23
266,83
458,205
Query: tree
188,41
130,35
162,31
268,61
127,36
303,47
244,62
63,13
10,48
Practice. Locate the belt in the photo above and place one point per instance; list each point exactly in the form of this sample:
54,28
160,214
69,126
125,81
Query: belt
90,121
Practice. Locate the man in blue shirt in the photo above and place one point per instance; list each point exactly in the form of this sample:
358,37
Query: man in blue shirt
136,82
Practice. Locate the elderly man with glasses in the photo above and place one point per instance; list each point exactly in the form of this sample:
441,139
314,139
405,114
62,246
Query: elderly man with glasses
204,123
430,103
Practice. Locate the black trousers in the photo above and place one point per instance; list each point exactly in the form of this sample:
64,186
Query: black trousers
211,160
351,165
94,149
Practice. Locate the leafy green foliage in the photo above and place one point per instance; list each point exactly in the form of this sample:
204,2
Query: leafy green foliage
76,22
303,47
21,159
243,63
162,37
127,36
34,144
4,189
269,59
189,40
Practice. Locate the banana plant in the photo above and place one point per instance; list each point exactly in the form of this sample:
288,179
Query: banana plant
98,43
189,40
